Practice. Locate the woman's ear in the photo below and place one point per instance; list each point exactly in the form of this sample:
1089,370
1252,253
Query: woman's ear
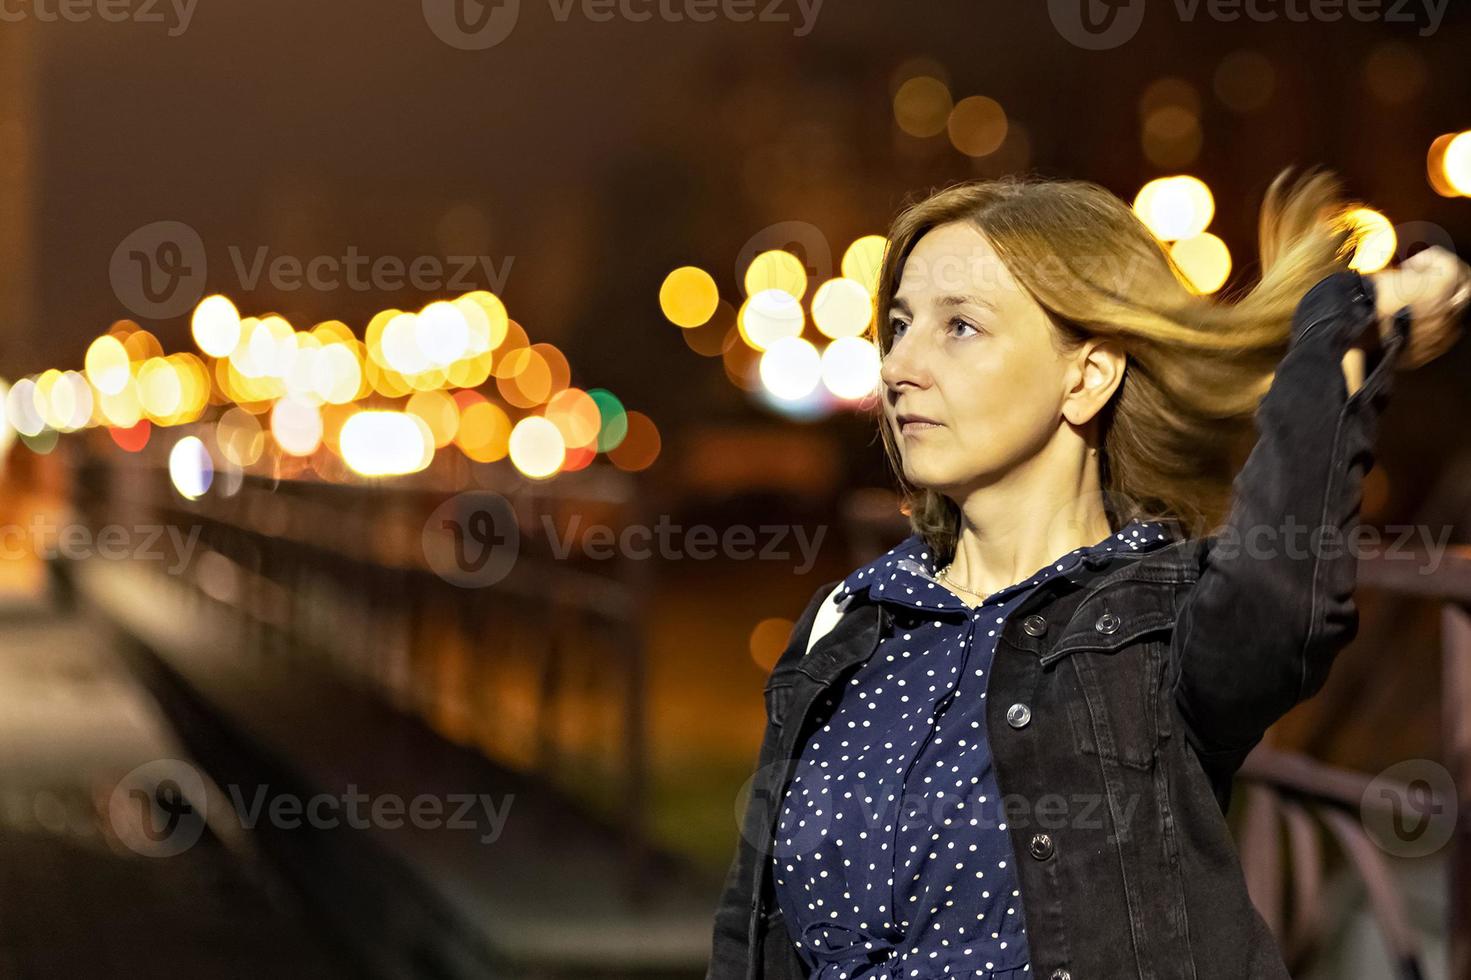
1097,372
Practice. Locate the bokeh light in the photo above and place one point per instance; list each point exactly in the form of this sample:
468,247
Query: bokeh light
216,326
1456,163
1205,261
688,297
382,443
296,425
779,270
107,365
1175,208
850,367
977,126
770,316
922,106
190,468
1377,245
791,368
864,260
842,308
536,447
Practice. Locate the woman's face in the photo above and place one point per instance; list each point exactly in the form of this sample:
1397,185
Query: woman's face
973,352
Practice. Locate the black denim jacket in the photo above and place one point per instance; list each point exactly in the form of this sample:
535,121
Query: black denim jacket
1146,687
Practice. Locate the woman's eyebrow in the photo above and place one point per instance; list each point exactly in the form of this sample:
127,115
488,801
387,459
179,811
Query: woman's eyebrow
948,302
957,299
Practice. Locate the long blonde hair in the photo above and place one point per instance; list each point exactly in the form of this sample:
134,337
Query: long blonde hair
1196,368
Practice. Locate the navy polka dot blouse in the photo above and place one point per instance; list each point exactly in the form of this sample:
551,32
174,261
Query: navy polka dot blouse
890,858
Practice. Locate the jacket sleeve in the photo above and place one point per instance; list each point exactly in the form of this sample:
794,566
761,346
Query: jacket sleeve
1273,603
730,949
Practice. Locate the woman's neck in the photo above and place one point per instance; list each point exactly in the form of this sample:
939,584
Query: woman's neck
1010,529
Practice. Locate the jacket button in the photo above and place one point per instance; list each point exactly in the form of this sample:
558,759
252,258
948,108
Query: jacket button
1060,974
1041,846
1018,715
1107,623
1034,625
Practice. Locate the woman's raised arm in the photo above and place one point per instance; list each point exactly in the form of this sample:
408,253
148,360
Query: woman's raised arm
1274,601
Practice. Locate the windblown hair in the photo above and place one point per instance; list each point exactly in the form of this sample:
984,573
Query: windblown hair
1172,435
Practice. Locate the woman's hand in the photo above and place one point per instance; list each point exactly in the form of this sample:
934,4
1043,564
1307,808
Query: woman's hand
1436,285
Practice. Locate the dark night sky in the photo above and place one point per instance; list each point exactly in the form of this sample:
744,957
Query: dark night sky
587,159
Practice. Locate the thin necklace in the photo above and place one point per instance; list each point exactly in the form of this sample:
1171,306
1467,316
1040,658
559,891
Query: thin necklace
944,574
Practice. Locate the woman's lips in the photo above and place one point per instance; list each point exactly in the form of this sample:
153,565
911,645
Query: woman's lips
916,427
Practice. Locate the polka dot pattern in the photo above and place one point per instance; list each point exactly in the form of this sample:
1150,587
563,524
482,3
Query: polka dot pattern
891,856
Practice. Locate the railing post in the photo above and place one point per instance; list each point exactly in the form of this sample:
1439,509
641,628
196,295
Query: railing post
637,577
1456,725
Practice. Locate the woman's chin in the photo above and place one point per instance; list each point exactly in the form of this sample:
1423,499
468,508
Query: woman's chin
929,477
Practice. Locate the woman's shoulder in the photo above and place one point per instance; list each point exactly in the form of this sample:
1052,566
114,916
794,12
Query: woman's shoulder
835,597
910,555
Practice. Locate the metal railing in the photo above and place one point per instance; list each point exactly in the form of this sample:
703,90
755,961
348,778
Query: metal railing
541,671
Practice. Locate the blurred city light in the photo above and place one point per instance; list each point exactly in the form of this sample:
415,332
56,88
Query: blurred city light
216,326
379,443
190,468
1175,208
842,308
776,270
791,368
1205,260
769,316
922,106
977,126
850,367
1456,163
688,296
1377,245
864,260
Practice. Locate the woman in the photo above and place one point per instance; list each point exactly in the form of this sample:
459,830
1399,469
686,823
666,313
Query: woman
1012,753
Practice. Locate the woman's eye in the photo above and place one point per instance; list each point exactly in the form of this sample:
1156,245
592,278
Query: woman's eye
963,323
897,327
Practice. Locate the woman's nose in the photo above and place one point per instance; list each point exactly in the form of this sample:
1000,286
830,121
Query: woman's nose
903,364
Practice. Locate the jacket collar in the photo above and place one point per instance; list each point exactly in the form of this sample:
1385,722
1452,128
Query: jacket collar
905,575
866,620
